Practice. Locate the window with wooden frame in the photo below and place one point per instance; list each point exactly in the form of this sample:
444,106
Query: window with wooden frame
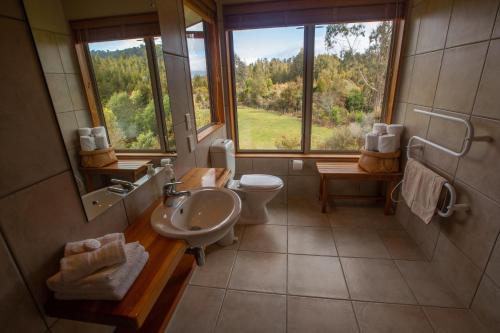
312,88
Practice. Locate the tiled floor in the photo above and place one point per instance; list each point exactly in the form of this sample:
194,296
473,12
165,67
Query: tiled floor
352,270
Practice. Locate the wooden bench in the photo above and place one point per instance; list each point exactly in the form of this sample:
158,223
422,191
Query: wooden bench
352,171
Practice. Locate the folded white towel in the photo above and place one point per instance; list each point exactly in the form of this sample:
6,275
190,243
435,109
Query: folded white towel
371,142
84,131
87,143
114,294
91,244
104,279
380,128
411,180
387,143
99,130
101,142
397,130
79,265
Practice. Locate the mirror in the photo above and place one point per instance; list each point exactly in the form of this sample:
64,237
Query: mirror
109,91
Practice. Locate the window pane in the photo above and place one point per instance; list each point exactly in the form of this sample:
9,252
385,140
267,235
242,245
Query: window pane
195,34
124,86
165,97
268,77
350,66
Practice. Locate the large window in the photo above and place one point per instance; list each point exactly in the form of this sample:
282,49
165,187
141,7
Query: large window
131,85
342,98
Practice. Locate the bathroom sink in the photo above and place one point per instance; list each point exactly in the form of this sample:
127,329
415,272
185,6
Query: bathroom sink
200,219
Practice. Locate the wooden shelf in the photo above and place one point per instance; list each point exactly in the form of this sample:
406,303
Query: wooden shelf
150,302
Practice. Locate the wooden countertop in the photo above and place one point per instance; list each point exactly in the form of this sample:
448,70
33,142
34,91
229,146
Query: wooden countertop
148,303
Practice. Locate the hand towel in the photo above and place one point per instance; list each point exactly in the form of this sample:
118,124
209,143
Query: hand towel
84,131
371,142
79,265
387,143
114,294
83,245
99,130
104,279
101,142
411,179
379,128
87,143
427,195
397,130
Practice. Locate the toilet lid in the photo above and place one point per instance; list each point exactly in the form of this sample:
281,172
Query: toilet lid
264,182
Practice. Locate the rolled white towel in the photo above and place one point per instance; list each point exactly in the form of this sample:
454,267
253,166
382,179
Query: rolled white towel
113,294
99,130
87,143
397,130
379,128
91,244
84,131
80,265
371,142
101,142
387,143
104,279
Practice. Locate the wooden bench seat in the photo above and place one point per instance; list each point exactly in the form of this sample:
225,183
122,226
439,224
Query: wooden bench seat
352,171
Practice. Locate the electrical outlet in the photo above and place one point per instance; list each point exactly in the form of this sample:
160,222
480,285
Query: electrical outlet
189,123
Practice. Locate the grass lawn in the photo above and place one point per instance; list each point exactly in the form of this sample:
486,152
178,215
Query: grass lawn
259,129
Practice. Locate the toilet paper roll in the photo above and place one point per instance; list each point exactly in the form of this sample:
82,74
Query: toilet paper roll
387,143
371,142
397,130
297,165
101,142
99,130
380,128
84,131
87,143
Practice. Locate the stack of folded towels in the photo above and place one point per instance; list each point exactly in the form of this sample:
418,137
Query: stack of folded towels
93,138
384,138
103,268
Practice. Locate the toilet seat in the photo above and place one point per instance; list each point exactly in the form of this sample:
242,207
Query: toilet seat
260,182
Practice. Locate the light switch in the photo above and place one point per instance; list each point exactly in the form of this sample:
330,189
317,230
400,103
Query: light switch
191,143
189,123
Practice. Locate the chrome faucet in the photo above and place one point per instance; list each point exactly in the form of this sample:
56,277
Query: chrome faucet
125,186
170,194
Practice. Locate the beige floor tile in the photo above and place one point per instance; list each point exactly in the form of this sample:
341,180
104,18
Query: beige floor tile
317,315
264,237
366,217
311,240
376,280
316,276
216,271
244,312
277,213
197,311
383,318
259,271
453,320
400,245
357,242
238,233
426,285
302,212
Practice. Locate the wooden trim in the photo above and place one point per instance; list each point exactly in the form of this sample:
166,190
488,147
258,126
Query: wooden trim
202,135
231,87
126,156
215,64
88,83
395,63
322,157
205,8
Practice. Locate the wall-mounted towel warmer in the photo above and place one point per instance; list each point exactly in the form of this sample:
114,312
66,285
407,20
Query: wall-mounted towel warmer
449,204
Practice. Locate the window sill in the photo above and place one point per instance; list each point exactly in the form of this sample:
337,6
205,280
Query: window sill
209,130
126,156
330,157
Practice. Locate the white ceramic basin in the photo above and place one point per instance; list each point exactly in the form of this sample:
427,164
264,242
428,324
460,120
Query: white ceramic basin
200,219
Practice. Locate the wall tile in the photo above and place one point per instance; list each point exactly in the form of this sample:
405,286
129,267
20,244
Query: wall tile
64,326
59,92
18,312
172,27
493,268
69,129
488,98
67,54
486,304
185,159
471,21
244,165
76,91
415,123
271,166
479,168
425,78
47,15
434,25
459,77
303,186
456,269
140,199
399,116
425,235
496,30
39,220
83,118
405,79
28,129
308,167
474,232
413,27
48,51
12,8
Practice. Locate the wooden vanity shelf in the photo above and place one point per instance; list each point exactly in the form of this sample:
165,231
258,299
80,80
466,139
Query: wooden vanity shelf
151,301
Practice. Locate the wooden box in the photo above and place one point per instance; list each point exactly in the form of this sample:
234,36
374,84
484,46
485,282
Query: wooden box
375,162
97,158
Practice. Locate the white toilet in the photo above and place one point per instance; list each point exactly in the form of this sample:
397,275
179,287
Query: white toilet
255,190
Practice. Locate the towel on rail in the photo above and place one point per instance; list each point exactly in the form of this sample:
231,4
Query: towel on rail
421,189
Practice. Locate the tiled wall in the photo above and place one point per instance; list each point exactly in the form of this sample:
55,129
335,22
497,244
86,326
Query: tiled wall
451,65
